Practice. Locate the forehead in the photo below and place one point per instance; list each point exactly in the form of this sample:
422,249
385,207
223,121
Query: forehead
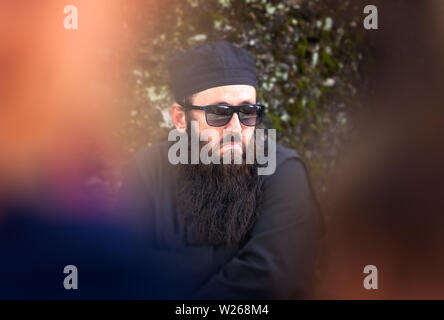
232,94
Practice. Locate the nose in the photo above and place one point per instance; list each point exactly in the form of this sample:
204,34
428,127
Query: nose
234,125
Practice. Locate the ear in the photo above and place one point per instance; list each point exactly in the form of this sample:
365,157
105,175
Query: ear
178,117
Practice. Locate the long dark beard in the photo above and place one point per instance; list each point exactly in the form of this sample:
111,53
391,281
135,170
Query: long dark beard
218,202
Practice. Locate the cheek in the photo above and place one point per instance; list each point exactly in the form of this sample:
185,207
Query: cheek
216,135
213,134
197,121
247,134
200,118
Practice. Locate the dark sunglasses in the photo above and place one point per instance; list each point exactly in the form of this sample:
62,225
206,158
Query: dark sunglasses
218,115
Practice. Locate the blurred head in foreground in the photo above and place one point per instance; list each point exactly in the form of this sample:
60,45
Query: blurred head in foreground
386,200
55,89
54,116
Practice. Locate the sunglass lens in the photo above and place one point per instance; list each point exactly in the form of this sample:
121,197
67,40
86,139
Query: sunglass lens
218,116
249,115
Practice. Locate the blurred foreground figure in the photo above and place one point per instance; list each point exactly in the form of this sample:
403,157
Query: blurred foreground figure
53,208
386,200
34,251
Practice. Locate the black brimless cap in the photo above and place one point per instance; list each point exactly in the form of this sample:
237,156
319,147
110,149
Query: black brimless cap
208,66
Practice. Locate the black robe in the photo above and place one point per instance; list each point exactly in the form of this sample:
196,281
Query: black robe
275,261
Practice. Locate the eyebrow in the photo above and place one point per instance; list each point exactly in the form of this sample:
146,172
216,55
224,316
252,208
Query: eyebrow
243,102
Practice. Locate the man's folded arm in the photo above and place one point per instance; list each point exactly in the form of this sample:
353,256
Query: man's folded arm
277,262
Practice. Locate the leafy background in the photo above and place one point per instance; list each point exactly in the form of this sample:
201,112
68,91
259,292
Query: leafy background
308,56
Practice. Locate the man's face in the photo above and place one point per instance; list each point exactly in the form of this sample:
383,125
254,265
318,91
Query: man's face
233,95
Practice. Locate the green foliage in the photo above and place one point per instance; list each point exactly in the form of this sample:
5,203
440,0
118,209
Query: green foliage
307,57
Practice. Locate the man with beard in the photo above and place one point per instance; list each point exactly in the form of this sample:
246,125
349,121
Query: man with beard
221,231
